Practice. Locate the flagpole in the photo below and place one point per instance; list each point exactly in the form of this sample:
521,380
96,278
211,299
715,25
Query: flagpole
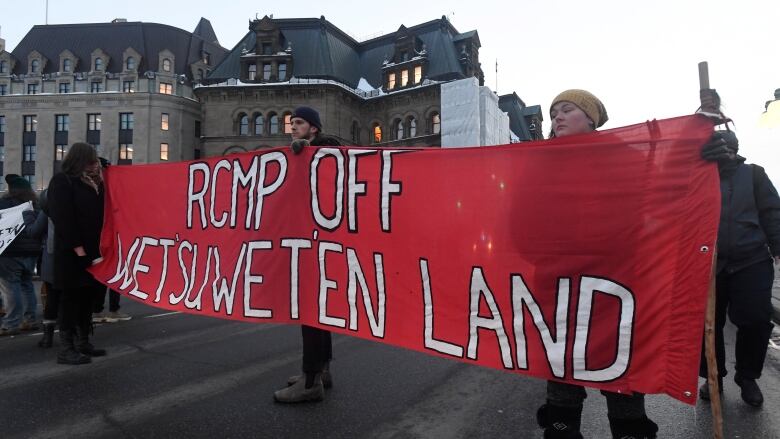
709,320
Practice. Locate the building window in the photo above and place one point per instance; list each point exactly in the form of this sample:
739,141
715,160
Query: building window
200,75
411,122
130,63
60,151
259,125
398,127
3,66
96,87
243,125
126,121
163,151
266,71
206,58
2,155
64,87
377,130
287,123
128,86
29,153
355,133
30,124
3,89
252,72
197,128
30,178
2,124
32,89
166,88
404,77
93,122
417,74
166,66
125,151
62,122
266,49
98,64
390,81
283,71
273,124
435,123
35,65
67,65
164,121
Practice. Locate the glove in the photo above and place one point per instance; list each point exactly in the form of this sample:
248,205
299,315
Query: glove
298,144
722,146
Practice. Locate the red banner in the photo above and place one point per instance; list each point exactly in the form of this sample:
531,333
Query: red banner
584,259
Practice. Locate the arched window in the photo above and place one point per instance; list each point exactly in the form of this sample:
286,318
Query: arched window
273,124
411,122
377,131
98,64
66,65
435,123
355,133
34,66
259,124
166,65
398,127
243,124
3,66
130,63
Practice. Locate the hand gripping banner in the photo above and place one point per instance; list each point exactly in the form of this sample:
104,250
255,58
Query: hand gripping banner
584,259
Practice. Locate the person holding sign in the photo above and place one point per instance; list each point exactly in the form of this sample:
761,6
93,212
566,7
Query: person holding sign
76,209
317,345
579,112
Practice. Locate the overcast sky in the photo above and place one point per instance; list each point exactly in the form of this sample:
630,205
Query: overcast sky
640,58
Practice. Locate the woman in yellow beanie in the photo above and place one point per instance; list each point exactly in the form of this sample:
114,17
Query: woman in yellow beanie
580,112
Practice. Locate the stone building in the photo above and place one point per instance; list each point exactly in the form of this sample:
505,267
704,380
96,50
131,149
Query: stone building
125,87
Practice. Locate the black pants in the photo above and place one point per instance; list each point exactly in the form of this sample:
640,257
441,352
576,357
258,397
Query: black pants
76,307
317,348
51,307
100,300
619,405
747,297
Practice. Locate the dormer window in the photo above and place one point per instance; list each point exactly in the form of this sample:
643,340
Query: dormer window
391,81
35,66
404,78
206,58
252,74
267,49
266,72
130,63
417,74
67,65
166,65
98,64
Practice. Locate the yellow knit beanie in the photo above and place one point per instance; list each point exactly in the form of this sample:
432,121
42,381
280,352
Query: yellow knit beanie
587,102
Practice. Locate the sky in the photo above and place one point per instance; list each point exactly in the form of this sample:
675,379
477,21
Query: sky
639,58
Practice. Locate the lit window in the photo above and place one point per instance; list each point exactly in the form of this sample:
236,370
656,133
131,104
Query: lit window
266,72
399,129
412,122
163,151
35,65
164,121
166,65
130,63
287,123
404,77
436,123
243,125
128,86
252,72
259,125
30,124
377,133
93,122
126,121
96,87
126,151
64,87
98,64
3,66
32,89
274,124
29,153
62,122
417,74
66,65
283,72
60,151
390,81
166,88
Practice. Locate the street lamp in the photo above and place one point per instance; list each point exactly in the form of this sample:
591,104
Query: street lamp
770,118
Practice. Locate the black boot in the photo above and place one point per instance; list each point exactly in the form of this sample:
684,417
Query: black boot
48,336
642,428
559,422
85,347
751,393
69,354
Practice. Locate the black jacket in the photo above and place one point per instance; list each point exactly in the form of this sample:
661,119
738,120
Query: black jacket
25,244
749,229
77,213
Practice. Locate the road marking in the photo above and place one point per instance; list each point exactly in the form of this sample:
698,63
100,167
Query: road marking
163,314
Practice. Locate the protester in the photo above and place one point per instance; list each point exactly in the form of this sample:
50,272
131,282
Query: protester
17,264
317,345
748,240
578,112
76,208
113,315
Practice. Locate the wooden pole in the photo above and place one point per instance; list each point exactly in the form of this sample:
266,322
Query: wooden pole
709,320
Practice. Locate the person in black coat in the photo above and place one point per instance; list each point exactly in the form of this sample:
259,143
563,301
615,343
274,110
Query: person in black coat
75,198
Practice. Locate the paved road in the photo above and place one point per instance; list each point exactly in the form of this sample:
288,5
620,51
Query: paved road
173,375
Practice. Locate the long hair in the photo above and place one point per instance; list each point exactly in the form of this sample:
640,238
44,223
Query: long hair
79,157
